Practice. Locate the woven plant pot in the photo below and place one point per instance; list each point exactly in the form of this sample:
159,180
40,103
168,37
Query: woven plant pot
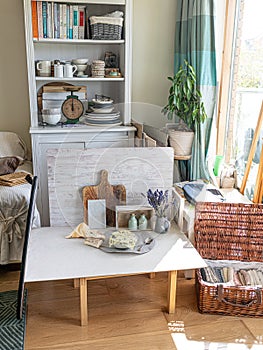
181,141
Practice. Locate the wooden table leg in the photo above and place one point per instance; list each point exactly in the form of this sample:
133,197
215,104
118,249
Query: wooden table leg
83,296
76,283
171,297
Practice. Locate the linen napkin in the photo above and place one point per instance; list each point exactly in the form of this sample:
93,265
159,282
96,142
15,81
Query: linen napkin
93,238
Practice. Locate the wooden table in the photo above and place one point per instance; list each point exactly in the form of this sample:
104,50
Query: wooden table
52,257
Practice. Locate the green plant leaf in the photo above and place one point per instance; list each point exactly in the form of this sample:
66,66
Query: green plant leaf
184,99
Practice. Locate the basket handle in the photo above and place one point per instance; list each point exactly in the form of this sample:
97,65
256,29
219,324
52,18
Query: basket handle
257,299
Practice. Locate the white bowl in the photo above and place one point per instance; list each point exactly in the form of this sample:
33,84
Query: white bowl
102,110
80,61
51,111
51,119
102,102
81,67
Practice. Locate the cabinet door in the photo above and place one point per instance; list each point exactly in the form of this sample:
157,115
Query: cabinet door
42,172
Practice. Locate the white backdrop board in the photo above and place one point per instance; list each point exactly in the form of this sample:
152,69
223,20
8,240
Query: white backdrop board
69,170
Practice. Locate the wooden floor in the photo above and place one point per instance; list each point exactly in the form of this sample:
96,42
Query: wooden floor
128,313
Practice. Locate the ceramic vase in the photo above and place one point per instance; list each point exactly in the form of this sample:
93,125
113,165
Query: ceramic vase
162,224
143,222
133,223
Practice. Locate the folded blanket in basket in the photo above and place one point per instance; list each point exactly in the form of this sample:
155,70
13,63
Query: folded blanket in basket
241,277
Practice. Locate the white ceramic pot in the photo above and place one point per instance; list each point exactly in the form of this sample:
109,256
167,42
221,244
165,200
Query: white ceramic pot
181,141
162,224
51,119
78,61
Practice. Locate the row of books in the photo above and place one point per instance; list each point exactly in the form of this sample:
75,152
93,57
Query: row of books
59,21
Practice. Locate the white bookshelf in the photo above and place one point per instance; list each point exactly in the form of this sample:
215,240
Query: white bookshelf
119,89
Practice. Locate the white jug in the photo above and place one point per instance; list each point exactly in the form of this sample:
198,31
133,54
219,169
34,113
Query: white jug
69,70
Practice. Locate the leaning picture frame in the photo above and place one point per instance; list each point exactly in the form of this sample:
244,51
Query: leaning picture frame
96,213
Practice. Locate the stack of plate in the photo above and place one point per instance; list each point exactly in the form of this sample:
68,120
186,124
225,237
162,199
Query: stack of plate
100,119
98,69
102,113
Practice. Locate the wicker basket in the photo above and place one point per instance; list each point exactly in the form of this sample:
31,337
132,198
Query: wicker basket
106,28
225,231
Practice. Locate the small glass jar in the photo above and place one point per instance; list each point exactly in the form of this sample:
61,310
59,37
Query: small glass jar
143,222
133,223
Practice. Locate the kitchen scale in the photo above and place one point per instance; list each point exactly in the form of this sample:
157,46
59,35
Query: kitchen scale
72,108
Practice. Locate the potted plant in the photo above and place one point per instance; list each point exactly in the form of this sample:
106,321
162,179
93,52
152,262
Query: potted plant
185,103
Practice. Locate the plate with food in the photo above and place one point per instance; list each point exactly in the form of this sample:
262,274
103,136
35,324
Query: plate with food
126,241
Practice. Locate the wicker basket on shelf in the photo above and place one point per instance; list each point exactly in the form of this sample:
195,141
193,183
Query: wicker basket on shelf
106,28
229,231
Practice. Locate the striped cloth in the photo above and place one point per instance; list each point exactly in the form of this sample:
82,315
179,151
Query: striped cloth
195,42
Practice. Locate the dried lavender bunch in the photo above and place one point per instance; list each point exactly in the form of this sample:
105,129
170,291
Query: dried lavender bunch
159,201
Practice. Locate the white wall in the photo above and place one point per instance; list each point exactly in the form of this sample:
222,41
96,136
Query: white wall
153,56
14,110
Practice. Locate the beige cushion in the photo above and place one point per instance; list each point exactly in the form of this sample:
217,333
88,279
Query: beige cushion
26,166
12,145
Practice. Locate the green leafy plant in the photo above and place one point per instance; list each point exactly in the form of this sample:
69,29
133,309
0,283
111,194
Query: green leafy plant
185,100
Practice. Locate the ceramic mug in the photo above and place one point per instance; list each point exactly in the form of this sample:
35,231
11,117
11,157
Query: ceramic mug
69,70
44,68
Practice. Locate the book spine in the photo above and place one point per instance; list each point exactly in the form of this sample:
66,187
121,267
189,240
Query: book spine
49,21
67,21
58,21
64,21
75,22
40,19
87,23
55,19
52,20
34,19
61,21
44,15
70,22
81,22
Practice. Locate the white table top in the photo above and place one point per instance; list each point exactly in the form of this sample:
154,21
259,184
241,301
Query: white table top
53,257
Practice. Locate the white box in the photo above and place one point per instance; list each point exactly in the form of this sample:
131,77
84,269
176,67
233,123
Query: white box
123,213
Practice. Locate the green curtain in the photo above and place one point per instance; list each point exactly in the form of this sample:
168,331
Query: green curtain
195,42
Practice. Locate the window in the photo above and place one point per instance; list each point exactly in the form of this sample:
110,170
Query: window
246,89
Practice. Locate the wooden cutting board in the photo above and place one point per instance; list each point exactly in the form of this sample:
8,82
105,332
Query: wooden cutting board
113,195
